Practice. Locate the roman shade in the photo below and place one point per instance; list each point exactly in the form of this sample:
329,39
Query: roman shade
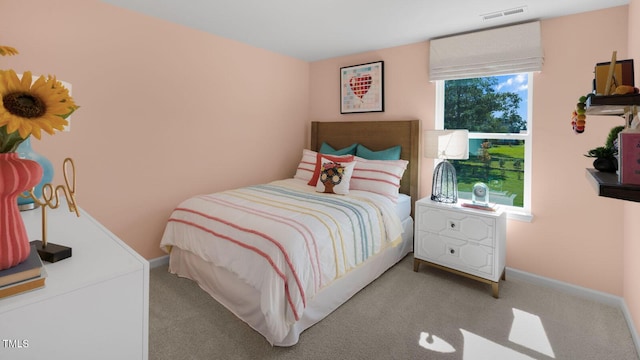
505,50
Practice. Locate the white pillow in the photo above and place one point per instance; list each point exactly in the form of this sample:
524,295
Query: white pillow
378,176
335,176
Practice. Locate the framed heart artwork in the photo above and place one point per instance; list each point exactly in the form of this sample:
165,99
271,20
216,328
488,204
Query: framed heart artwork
361,88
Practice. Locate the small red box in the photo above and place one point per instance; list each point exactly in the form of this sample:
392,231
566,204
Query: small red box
629,157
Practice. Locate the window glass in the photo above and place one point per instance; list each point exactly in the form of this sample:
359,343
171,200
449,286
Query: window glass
496,112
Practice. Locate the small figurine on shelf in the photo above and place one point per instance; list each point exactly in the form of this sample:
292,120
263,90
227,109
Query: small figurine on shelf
625,89
578,116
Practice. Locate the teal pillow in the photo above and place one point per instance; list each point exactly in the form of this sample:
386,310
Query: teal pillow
392,153
327,149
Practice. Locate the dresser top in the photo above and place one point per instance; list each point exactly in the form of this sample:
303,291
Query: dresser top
97,255
498,210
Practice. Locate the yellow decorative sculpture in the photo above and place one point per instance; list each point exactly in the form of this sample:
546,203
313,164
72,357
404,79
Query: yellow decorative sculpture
50,198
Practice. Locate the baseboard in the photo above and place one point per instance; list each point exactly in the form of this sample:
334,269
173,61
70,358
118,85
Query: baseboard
632,328
590,294
159,261
598,296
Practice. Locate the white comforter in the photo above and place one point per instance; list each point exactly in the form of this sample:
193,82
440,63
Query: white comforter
284,239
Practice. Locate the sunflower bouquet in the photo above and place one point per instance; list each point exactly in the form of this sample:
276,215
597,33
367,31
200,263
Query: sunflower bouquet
28,107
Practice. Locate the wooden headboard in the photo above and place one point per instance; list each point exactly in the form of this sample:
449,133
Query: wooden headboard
376,135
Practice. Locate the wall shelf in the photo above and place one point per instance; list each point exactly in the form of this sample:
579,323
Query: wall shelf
607,185
611,104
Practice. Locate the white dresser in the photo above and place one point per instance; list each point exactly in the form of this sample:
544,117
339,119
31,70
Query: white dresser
463,240
95,304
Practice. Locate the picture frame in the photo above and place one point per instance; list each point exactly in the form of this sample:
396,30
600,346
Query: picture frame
622,75
362,88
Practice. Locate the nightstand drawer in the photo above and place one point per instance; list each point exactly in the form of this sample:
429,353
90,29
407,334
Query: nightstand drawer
466,256
458,225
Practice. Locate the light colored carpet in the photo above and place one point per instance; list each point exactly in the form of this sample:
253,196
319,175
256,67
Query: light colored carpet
386,319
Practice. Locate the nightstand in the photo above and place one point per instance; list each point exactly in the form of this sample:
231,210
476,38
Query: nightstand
465,241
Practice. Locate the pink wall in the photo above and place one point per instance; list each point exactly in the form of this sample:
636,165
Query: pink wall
575,236
166,111
632,209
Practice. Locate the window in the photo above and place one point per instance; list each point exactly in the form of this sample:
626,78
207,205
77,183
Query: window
497,112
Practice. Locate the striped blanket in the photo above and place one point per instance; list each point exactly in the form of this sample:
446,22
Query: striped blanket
284,239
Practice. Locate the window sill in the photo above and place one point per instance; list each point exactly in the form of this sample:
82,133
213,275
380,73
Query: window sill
519,214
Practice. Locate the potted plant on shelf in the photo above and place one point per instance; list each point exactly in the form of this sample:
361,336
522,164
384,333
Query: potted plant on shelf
605,156
612,139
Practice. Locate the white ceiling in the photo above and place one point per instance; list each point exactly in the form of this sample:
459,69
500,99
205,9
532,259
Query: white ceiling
316,30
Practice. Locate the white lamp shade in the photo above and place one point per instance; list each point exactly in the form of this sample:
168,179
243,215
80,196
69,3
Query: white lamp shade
446,144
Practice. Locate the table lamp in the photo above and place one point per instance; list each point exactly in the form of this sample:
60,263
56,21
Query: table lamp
444,145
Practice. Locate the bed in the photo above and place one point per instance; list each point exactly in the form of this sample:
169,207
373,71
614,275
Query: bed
282,256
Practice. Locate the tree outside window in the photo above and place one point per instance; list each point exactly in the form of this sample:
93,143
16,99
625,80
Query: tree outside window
496,111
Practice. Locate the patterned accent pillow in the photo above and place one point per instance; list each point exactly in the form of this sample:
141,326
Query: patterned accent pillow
378,176
334,176
336,158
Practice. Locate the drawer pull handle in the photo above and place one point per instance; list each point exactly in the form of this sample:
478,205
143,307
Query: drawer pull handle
453,225
452,251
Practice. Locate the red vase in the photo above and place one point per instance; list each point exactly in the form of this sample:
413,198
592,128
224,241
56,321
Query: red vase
16,176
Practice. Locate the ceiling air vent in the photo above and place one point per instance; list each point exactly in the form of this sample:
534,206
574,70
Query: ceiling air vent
501,13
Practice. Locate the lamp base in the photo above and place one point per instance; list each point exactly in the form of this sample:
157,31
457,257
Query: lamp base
445,184
52,252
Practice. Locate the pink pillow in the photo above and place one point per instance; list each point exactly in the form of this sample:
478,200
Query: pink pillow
307,165
378,176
